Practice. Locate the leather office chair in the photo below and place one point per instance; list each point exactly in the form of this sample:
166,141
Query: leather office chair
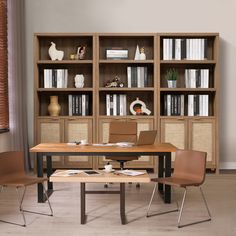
122,131
189,170
12,174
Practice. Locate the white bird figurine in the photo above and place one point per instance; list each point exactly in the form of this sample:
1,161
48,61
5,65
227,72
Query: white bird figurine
54,53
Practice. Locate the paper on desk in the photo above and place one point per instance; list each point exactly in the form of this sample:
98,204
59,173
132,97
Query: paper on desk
130,172
67,173
104,144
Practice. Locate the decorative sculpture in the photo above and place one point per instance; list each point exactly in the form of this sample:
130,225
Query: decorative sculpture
142,55
81,52
138,107
114,83
79,81
54,53
137,54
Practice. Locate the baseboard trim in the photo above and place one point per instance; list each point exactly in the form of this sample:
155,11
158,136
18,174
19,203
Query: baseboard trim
227,165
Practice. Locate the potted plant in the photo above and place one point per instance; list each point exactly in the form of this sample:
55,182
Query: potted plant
171,76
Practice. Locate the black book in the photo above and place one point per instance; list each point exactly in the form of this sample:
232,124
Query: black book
205,49
183,49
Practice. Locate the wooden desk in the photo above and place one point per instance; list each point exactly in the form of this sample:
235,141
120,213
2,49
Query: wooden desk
160,150
104,177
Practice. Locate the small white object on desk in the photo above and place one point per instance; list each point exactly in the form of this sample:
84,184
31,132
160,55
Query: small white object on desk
130,172
67,172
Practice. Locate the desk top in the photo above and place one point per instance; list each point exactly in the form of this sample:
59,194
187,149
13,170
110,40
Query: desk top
63,147
103,177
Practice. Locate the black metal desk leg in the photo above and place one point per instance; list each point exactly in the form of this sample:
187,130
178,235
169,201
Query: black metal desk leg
40,174
167,193
49,171
160,172
82,203
122,203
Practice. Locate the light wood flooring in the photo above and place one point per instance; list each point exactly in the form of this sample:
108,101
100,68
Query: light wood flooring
103,211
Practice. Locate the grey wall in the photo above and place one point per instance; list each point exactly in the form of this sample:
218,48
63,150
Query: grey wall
143,16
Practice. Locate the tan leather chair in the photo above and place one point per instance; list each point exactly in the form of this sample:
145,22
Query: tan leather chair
12,174
189,170
122,131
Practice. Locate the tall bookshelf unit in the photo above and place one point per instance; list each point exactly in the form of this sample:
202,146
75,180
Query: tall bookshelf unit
198,130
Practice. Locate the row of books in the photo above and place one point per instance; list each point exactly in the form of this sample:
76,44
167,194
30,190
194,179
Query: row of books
174,105
55,78
198,105
179,49
137,76
78,105
197,78
116,105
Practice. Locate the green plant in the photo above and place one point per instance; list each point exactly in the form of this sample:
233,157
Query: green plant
171,74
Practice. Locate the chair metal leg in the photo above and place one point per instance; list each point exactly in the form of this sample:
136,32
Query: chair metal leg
20,201
153,193
159,213
49,204
196,222
204,199
40,213
182,207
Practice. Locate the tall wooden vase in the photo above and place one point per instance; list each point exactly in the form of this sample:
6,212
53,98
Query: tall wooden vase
54,108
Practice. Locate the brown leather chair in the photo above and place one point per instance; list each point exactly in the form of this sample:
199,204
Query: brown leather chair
189,170
122,131
12,174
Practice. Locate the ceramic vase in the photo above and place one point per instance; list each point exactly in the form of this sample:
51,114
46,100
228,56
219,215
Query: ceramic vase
54,108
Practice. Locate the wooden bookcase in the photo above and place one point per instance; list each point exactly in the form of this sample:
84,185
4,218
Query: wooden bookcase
185,131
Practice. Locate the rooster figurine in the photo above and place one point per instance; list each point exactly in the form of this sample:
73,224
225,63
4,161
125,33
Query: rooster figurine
54,53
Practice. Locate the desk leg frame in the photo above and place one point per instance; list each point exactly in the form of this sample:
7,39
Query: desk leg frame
41,195
164,170
83,192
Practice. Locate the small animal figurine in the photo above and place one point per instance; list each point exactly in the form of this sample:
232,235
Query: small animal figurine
54,53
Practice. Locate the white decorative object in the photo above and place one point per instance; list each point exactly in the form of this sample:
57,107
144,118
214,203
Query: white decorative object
137,54
142,55
79,81
54,53
138,107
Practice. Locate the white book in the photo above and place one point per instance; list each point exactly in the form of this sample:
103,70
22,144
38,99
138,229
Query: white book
114,104
108,108
168,98
170,48
125,104
129,77
178,49
202,49
165,55
139,77
182,104
83,104
142,75
65,82
46,78
70,104
59,77
206,78
121,97
190,105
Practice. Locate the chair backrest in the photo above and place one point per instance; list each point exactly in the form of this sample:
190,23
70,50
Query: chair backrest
123,131
11,163
190,165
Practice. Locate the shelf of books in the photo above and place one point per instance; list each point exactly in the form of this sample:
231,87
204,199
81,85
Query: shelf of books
191,61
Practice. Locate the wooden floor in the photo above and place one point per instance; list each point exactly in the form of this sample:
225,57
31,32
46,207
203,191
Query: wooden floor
103,211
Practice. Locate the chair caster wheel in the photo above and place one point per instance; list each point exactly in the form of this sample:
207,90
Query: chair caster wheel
137,185
105,185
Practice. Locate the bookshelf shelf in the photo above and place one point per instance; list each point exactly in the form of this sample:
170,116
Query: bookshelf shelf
186,116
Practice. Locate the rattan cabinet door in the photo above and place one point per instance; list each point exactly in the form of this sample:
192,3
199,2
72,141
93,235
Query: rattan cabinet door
202,138
76,130
174,131
51,130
